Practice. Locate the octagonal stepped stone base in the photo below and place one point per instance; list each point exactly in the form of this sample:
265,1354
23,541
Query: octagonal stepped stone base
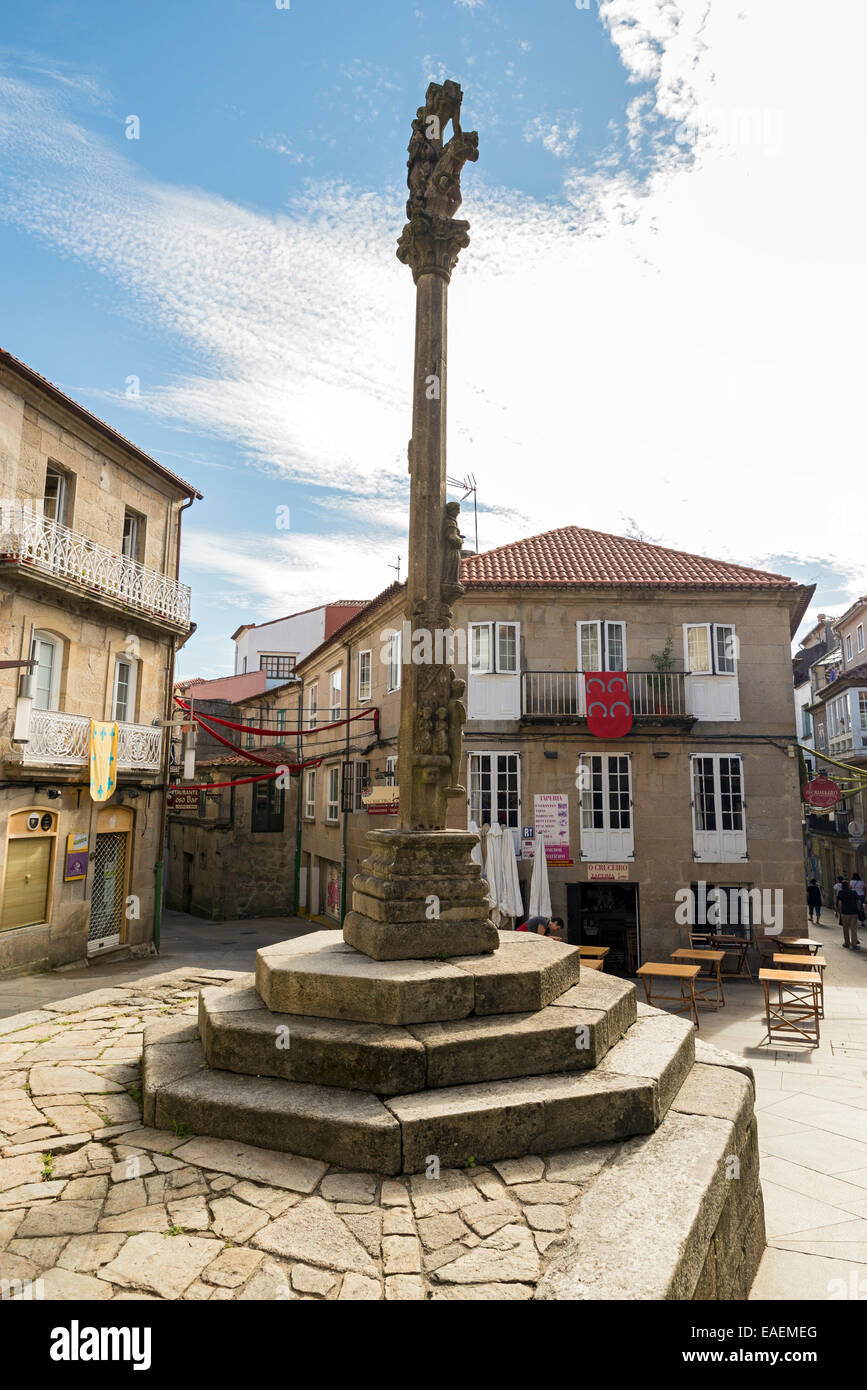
240,1034
320,976
627,1094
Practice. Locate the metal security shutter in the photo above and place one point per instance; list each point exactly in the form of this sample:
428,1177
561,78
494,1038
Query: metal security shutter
106,903
25,895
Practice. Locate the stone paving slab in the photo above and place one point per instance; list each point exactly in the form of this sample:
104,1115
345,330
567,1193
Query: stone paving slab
126,1210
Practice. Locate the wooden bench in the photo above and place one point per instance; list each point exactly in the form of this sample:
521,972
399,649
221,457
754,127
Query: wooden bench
685,974
790,962
707,987
796,1009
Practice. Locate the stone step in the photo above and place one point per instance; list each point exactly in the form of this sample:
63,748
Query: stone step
627,1094
240,1035
320,976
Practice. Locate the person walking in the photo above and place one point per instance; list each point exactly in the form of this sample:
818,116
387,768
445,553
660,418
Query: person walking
835,893
814,901
848,904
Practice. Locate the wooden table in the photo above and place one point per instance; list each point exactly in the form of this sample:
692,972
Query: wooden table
795,1011
685,974
733,946
591,963
711,990
812,963
594,951
805,942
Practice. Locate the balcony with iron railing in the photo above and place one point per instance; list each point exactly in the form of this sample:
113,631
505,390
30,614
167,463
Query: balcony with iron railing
61,740
655,696
33,542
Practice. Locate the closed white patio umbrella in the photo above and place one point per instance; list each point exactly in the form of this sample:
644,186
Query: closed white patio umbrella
494,867
511,902
540,889
477,848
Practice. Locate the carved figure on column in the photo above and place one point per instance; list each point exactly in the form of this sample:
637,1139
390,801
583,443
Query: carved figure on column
453,544
457,719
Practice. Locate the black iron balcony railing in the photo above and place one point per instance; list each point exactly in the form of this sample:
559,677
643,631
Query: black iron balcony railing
560,695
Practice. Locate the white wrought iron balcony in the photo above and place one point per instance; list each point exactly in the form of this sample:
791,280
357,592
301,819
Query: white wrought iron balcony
63,740
29,539
560,695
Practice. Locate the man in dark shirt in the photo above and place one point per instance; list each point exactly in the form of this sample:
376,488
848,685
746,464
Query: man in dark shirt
544,926
847,906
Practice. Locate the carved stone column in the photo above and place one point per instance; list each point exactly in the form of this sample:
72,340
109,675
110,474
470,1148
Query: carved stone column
420,893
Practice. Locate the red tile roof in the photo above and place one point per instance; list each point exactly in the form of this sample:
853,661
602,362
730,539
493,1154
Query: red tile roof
575,556
277,756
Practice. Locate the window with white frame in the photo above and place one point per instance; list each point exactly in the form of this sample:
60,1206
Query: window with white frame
493,649
132,542
48,654
390,771
362,782
718,808
281,725
392,660
820,736
313,705
710,649
859,636
862,708
495,791
57,495
848,646
365,666
839,719
332,805
310,796
601,646
277,665
607,832
123,694
806,724
335,688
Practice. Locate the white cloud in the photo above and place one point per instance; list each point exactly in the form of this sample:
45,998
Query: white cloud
683,349
557,137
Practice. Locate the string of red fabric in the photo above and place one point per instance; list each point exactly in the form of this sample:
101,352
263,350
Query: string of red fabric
207,721
283,733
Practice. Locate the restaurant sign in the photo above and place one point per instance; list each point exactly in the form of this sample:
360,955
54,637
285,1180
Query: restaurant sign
607,873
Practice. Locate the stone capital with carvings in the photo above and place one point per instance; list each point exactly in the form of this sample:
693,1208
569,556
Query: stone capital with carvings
431,240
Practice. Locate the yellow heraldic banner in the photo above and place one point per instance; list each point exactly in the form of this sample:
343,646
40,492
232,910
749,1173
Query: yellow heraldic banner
103,760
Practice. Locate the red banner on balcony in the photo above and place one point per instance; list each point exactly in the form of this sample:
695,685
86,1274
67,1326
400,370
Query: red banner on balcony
609,709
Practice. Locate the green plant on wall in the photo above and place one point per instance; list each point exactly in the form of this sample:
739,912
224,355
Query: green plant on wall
658,685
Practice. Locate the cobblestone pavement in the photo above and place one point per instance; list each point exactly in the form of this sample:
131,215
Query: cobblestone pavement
811,1107
96,1207
192,942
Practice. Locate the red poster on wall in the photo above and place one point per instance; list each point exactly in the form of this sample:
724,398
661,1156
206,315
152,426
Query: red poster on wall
609,709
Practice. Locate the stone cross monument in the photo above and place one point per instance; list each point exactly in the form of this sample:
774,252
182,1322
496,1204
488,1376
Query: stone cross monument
420,893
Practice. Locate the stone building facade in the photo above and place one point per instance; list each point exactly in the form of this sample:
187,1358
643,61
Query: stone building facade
89,541
702,790
837,842
233,854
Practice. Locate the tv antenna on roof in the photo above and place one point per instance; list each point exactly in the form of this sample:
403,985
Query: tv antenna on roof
469,485
396,567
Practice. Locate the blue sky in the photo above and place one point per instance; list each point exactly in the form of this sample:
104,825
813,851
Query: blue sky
651,327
